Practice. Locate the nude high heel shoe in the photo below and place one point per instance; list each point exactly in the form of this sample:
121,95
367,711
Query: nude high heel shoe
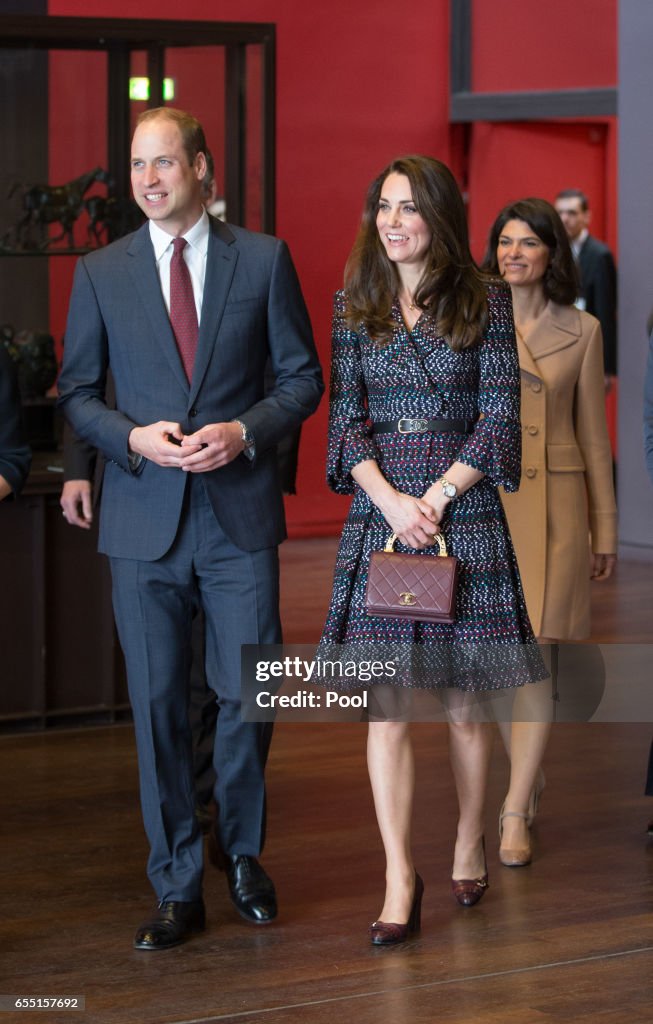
514,857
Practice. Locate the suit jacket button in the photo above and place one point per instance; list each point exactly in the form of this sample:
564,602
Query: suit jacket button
530,472
193,411
536,386
532,430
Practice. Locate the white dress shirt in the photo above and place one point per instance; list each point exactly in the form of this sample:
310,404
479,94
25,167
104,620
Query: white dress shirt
194,254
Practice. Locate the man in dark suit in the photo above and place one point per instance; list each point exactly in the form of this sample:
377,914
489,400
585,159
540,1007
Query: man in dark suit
15,456
598,275
186,312
83,468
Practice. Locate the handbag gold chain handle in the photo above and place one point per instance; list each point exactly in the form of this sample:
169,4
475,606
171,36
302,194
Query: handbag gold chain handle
390,545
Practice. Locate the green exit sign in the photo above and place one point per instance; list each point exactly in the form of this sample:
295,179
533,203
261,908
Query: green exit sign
139,89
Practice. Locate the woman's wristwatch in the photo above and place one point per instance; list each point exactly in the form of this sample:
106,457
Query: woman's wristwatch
449,490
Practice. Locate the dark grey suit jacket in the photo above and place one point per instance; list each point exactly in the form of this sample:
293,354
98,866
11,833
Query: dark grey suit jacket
598,281
15,456
252,309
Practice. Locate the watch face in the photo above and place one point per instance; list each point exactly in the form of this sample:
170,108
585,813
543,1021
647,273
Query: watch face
248,440
449,490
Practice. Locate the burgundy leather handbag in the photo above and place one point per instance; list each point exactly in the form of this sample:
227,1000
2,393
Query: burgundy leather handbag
405,586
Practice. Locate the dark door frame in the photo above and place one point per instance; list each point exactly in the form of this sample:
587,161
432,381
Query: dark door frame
466,106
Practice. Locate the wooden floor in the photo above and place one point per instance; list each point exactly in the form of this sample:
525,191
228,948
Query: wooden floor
569,938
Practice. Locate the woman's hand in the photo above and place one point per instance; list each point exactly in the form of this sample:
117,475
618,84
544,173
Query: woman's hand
412,519
601,566
437,500
461,476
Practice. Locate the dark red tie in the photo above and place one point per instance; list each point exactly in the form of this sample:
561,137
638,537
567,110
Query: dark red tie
183,314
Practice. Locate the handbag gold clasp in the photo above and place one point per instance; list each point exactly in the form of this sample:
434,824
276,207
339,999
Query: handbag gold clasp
407,599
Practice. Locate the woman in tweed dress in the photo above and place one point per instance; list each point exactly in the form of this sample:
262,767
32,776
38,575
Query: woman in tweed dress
418,339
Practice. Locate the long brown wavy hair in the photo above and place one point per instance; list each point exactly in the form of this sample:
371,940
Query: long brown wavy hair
451,289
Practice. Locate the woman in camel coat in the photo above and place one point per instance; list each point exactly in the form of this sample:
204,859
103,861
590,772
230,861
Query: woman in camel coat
563,518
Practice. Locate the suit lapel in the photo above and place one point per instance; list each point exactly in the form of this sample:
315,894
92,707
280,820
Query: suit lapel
558,327
142,268
221,260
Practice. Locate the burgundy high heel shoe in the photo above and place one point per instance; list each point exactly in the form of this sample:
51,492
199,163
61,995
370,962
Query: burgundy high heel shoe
469,891
386,933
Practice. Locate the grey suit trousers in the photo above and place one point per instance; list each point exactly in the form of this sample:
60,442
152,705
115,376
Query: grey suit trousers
153,604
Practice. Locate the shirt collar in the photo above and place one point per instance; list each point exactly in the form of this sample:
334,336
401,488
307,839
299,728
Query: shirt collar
197,237
579,242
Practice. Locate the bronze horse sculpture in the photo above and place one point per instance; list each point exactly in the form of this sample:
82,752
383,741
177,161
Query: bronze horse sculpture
55,204
110,217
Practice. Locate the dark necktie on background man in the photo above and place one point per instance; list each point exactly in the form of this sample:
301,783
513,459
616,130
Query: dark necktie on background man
183,313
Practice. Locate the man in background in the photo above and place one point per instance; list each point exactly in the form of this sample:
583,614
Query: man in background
598,275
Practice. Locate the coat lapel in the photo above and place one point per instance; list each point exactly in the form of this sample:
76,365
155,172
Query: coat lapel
527,364
221,260
142,268
557,328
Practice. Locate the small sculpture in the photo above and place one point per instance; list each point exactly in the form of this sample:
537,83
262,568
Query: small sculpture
36,364
51,204
111,217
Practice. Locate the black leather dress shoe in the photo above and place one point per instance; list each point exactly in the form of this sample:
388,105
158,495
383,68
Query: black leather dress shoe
172,923
251,890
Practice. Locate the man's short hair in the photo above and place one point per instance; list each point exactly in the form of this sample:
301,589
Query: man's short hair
191,131
208,180
575,193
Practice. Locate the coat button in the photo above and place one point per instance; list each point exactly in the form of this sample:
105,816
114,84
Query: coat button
194,411
530,472
532,430
536,386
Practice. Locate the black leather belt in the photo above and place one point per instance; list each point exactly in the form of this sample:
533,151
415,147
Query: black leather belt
422,426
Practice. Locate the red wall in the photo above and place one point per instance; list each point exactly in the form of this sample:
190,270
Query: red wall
522,47
512,161
357,84
556,44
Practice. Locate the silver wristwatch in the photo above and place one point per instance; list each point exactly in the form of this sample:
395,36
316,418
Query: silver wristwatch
246,434
450,490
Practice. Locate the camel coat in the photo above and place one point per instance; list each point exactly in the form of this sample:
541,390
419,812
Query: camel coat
566,498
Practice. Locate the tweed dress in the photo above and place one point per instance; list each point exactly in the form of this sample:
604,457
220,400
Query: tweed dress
417,374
